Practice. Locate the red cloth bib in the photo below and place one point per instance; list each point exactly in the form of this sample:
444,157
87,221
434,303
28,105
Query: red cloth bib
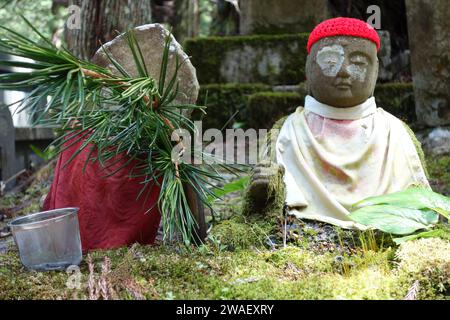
110,213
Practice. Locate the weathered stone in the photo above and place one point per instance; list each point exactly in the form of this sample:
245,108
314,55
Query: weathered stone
429,37
436,141
7,146
151,39
270,59
265,108
281,16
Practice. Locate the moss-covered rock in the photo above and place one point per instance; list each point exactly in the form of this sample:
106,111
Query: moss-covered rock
265,108
397,99
259,107
427,261
438,169
240,233
225,100
271,59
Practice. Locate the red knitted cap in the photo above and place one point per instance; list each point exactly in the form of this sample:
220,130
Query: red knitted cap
343,27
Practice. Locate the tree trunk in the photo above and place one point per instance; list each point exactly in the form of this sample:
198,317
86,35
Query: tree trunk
101,20
187,19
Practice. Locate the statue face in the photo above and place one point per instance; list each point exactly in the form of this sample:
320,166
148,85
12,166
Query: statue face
342,71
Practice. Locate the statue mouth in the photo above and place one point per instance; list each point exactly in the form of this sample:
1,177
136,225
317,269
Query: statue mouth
343,85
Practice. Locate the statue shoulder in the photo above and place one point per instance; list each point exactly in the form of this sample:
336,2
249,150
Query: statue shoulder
279,123
413,137
418,146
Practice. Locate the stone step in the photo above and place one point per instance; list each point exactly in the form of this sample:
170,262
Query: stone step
258,106
271,59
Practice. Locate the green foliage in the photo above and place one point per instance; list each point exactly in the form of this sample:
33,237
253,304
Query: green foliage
39,12
412,198
234,186
404,212
208,53
394,219
442,231
46,155
226,104
206,9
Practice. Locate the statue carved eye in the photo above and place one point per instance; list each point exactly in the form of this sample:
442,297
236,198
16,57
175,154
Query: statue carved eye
359,60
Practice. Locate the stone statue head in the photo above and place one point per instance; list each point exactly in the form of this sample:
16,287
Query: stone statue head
342,64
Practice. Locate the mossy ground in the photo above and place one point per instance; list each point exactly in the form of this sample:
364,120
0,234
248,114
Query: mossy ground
238,261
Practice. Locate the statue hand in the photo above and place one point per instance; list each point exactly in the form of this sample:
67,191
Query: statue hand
263,173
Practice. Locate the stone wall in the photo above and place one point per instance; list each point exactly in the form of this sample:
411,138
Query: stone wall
260,106
275,59
281,16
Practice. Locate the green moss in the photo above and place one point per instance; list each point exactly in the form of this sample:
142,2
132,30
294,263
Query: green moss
223,101
273,207
265,108
397,99
288,273
207,55
276,188
240,232
438,168
428,262
18,283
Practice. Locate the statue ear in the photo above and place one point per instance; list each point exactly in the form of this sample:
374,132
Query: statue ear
308,72
377,70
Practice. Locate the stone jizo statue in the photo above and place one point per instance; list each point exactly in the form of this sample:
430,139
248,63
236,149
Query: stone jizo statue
339,148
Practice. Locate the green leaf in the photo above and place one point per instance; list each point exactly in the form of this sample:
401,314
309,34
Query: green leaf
437,233
395,220
237,185
413,198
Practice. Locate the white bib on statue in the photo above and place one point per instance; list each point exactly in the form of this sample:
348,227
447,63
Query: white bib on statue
335,157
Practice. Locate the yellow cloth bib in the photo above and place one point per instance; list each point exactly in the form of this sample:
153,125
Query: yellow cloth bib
335,157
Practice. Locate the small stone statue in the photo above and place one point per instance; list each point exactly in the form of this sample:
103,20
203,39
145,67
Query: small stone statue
339,148
7,146
111,213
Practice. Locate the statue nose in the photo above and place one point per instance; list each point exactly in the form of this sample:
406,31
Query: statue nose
343,72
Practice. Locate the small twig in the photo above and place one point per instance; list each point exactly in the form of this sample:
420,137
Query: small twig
413,291
92,284
285,207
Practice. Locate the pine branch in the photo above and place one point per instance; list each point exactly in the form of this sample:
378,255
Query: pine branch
123,117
